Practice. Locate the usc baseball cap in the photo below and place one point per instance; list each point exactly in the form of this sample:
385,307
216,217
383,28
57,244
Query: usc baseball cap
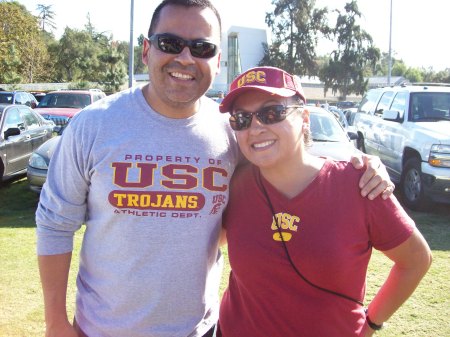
267,79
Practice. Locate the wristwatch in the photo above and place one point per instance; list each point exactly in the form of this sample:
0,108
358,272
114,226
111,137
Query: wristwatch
371,324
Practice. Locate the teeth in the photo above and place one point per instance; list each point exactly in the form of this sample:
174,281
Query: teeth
182,76
263,144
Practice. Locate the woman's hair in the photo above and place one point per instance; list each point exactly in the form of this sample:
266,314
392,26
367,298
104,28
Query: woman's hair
185,3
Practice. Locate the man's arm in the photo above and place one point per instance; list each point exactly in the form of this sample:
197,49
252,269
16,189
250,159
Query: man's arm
223,237
54,272
412,259
375,180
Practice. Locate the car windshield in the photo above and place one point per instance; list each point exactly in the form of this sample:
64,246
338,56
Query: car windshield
6,98
64,100
430,106
326,128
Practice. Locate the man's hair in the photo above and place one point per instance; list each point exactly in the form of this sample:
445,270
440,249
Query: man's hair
185,3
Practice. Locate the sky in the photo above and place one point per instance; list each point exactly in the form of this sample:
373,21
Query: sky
419,29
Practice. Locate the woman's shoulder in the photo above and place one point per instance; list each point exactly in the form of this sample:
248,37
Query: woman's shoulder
342,167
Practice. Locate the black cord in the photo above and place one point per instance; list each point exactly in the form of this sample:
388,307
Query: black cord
289,256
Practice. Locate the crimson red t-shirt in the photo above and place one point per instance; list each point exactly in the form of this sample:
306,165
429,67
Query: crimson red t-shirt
329,230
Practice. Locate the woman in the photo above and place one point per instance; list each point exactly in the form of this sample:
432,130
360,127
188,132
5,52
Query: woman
300,235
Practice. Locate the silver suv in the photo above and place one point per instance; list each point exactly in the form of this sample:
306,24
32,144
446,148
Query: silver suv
408,127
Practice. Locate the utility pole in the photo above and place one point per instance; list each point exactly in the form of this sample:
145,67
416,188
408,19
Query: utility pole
131,48
390,49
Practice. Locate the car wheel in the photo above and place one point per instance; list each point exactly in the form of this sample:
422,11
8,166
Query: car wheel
412,186
360,144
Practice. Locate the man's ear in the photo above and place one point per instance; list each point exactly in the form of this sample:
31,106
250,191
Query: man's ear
218,62
145,50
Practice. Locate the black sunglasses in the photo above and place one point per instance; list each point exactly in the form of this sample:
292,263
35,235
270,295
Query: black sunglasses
271,114
172,44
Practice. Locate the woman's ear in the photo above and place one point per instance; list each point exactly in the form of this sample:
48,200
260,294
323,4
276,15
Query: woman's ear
305,116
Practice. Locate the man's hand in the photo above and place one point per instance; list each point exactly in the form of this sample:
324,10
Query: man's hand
66,330
375,180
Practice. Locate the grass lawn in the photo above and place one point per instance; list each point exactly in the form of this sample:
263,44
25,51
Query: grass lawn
426,314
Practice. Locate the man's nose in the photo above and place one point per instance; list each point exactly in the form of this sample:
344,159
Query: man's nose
185,57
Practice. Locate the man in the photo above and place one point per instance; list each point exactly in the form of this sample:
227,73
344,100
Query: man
147,171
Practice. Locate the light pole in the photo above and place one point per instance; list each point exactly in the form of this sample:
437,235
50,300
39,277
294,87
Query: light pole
131,48
390,49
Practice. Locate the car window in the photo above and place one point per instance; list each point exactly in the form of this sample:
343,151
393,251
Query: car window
12,119
368,102
399,103
85,100
30,119
430,106
326,128
6,98
23,98
30,100
383,104
62,100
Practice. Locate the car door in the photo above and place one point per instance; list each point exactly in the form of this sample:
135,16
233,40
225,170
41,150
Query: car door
379,125
393,135
38,134
17,148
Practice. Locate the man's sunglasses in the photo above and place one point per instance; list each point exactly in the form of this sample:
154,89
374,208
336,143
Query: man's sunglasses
241,120
172,44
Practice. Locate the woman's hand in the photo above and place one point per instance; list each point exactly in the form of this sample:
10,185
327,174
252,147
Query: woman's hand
367,331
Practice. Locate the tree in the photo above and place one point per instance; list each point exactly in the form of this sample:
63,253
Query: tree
76,56
296,26
22,48
399,68
442,76
46,16
9,63
347,67
115,75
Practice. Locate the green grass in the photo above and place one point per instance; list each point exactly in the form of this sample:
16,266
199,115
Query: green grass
426,314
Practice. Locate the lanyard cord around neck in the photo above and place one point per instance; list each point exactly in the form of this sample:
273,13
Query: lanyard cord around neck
287,251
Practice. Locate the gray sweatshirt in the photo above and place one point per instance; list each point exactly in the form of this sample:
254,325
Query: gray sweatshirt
151,191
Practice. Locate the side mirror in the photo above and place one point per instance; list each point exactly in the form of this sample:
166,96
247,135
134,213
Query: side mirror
391,115
11,132
379,112
352,135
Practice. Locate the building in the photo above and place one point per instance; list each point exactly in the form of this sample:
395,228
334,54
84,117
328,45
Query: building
242,48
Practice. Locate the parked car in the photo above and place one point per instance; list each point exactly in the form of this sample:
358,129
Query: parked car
60,106
39,95
18,97
343,105
38,164
329,140
408,128
22,131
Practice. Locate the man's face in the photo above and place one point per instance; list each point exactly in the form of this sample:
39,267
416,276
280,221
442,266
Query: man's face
177,81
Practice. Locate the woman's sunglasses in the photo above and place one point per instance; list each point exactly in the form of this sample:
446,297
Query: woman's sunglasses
172,44
241,120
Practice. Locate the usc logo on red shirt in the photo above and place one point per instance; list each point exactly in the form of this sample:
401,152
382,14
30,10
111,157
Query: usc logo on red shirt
288,224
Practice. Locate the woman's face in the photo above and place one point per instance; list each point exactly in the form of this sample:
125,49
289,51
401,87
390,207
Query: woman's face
270,145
